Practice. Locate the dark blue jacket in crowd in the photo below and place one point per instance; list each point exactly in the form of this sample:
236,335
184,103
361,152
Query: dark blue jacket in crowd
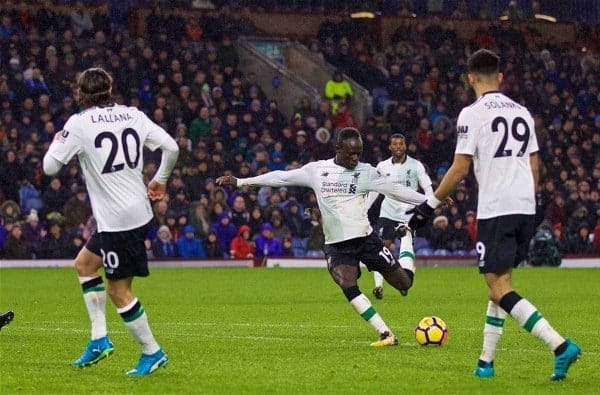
164,249
190,248
268,247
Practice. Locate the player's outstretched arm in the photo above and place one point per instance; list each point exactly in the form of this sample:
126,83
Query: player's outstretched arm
279,178
158,186
456,173
384,185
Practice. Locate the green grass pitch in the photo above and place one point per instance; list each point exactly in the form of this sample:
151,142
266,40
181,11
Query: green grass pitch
233,331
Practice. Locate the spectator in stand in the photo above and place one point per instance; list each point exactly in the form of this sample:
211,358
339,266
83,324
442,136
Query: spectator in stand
32,232
555,211
188,245
460,241
316,236
582,244
11,211
241,245
338,89
256,220
11,173
577,219
286,246
225,230
16,247
343,117
81,20
471,226
201,126
199,219
226,54
266,244
440,236
5,228
296,222
424,136
280,229
559,237
77,209
35,84
163,245
171,223
239,215
212,246
56,244
55,196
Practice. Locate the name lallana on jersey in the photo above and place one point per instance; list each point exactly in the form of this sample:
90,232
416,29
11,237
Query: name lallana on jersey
110,117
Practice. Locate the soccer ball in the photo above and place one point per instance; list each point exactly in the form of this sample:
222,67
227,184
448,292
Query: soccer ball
431,331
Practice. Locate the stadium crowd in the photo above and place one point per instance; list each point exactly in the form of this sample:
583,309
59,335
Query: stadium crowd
185,75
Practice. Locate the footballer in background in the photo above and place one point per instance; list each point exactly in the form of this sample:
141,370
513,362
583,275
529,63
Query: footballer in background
392,214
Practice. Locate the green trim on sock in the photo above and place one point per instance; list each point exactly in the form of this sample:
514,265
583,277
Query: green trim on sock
532,320
97,288
406,254
368,313
495,321
135,316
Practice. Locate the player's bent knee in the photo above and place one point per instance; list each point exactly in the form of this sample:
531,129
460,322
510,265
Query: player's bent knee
87,263
344,275
398,279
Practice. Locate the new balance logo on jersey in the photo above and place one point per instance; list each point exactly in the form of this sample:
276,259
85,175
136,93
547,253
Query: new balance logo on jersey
61,136
462,130
324,174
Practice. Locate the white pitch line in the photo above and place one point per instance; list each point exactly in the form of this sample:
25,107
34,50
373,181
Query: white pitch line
541,350
213,324
402,326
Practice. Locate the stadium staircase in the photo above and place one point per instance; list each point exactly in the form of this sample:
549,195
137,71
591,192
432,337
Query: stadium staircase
299,73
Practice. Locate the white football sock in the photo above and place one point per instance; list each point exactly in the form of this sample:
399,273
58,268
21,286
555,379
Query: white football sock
94,296
492,330
136,321
407,253
378,279
529,318
362,305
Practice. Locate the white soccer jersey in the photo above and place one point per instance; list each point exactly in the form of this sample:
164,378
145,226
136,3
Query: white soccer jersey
412,175
500,135
109,143
341,194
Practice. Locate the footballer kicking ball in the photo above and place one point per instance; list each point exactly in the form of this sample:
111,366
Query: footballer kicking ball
431,331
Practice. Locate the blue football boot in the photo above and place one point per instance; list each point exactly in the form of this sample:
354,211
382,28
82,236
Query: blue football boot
149,363
95,351
484,370
563,361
